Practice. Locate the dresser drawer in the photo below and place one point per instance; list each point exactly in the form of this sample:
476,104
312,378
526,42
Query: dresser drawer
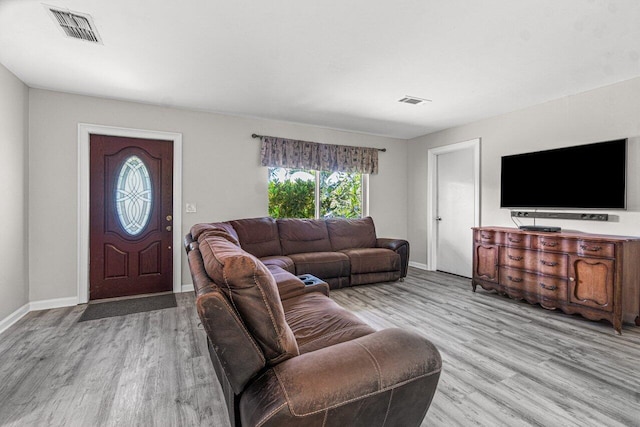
554,264
487,237
575,246
515,257
517,240
544,286
592,248
554,244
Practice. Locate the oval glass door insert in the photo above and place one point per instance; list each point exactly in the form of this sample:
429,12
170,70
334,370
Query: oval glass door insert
133,196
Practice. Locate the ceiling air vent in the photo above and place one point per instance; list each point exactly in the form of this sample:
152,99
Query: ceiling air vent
75,25
413,100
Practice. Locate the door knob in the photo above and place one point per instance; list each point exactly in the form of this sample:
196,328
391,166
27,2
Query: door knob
168,228
169,217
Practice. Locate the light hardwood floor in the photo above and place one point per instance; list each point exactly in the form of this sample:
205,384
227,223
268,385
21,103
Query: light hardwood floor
505,363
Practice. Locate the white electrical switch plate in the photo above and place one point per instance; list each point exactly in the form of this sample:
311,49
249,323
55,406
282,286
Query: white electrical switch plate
190,208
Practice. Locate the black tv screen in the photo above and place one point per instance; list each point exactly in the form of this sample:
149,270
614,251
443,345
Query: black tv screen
591,176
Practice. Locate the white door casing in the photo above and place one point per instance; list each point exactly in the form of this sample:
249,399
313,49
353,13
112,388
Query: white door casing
84,130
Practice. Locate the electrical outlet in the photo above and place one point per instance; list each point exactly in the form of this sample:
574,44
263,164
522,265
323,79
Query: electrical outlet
190,208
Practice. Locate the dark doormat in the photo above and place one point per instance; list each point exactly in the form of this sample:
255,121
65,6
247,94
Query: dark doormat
127,306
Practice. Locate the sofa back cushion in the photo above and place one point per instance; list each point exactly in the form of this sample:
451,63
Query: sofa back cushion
218,228
351,233
303,235
258,236
253,293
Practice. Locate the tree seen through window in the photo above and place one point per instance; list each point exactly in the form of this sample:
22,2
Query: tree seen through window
292,194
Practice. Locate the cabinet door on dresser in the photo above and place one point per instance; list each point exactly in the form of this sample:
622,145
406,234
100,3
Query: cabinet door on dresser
485,262
591,282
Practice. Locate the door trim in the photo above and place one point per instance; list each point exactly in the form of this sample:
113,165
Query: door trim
432,177
84,130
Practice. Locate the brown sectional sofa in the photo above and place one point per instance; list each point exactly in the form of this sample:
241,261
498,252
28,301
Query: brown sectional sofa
342,252
286,354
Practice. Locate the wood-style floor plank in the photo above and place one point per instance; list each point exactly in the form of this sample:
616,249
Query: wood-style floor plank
505,362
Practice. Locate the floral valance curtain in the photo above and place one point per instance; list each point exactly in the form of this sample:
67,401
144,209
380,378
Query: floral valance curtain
289,153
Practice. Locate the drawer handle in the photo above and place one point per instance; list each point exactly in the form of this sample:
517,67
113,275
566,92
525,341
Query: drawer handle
515,240
486,236
548,263
549,244
515,258
591,248
514,279
547,287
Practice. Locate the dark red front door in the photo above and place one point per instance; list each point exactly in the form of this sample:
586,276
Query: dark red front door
131,216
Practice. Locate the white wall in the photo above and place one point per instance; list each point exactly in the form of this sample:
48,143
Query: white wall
602,114
221,174
14,280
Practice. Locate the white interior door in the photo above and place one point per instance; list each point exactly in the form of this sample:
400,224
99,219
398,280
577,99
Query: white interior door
455,211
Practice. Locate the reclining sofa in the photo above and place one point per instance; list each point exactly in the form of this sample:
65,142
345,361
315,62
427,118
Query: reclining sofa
342,252
286,354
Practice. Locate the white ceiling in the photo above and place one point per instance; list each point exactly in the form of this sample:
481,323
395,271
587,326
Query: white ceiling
334,63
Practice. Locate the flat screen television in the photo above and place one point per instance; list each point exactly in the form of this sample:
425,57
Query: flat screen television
591,176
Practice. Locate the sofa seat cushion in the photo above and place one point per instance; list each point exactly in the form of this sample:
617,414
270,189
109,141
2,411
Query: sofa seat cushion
253,293
318,322
324,265
303,235
281,261
372,260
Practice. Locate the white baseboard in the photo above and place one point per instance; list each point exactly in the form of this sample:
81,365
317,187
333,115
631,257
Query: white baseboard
8,321
11,319
419,265
46,304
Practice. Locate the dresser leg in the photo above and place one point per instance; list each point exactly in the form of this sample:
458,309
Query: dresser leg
473,285
617,325
638,321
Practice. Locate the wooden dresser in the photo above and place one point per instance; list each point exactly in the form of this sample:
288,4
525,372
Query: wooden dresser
594,275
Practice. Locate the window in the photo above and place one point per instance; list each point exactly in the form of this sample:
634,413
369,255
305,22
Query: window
299,193
133,196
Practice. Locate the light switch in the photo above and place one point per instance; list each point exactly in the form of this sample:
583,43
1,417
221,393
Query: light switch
190,208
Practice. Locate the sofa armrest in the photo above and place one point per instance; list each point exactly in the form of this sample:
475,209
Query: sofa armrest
390,374
323,288
400,247
189,243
